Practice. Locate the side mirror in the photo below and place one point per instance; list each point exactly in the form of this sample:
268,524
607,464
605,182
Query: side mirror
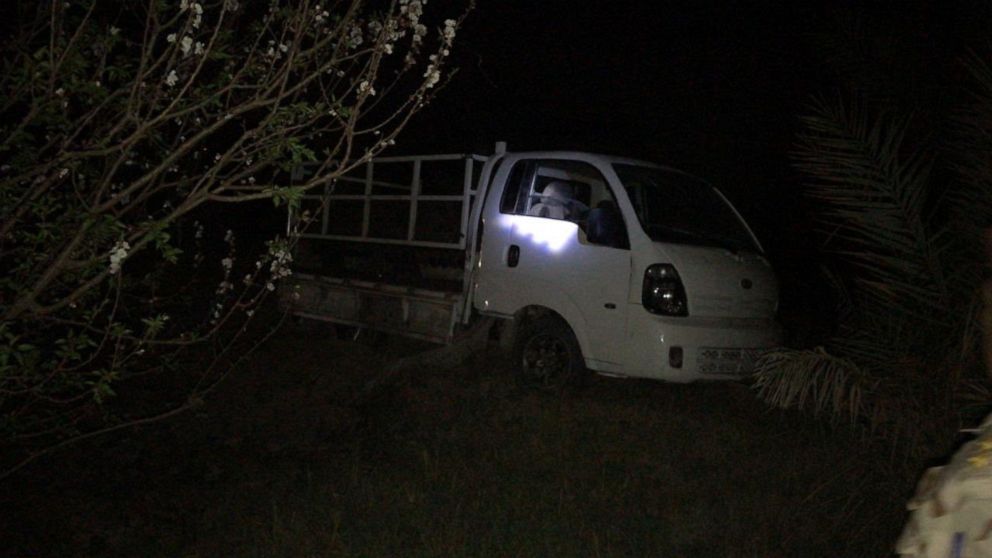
605,227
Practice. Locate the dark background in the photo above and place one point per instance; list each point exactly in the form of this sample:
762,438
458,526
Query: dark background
714,87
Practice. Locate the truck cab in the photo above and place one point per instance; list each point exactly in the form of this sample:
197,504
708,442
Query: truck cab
653,270
591,262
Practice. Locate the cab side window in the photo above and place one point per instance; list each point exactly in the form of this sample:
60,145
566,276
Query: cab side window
566,190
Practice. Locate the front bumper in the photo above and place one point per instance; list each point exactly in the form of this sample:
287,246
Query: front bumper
712,348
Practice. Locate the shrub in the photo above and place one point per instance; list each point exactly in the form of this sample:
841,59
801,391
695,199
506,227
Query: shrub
120,121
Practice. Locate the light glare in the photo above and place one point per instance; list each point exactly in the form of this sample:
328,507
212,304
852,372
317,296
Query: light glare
550,233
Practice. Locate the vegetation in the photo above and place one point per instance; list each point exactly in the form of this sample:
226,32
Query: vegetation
901,215
122,122
460,462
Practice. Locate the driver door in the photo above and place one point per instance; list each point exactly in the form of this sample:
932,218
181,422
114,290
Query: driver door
535,257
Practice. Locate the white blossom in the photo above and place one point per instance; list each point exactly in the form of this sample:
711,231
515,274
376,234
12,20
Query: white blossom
366,87
449,31
393,31
432,75
197,14
114,31
355,39
117,255
413,10
171,79
183,5
186,44
170,38
419,31
198,48
228,263
279,266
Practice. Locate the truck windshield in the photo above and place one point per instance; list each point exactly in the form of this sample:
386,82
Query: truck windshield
679,208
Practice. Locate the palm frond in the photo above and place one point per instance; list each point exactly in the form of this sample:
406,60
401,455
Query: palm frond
968,200
872,341
871,199
840,288
970,153
816,381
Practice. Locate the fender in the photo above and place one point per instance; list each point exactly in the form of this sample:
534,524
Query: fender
556,301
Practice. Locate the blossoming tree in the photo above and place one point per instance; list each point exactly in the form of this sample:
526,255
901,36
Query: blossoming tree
119,119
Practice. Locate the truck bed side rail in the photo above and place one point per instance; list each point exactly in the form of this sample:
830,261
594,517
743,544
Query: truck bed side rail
385,201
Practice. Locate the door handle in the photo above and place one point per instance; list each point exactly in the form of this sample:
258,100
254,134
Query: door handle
513,256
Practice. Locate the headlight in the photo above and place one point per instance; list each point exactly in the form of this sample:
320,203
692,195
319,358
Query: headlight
663,292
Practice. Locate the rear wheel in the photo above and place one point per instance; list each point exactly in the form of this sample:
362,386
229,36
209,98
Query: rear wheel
548,355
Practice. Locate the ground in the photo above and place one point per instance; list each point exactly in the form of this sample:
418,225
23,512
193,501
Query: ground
295,458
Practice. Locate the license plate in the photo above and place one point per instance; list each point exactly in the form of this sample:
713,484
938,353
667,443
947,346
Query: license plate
727,361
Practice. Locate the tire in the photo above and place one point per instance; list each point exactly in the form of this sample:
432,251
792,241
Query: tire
547,355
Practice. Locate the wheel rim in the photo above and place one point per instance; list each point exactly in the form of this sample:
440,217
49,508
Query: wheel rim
545,358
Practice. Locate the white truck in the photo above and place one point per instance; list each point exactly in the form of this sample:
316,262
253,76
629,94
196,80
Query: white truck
589,261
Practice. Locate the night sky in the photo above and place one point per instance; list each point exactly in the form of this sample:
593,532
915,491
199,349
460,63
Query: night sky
712,87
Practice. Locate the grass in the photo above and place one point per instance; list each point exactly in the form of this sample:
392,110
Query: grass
285,462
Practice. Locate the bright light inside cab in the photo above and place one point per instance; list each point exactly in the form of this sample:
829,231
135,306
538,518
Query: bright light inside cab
550,234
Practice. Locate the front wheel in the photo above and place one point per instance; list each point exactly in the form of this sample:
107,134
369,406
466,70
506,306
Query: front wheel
548,355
